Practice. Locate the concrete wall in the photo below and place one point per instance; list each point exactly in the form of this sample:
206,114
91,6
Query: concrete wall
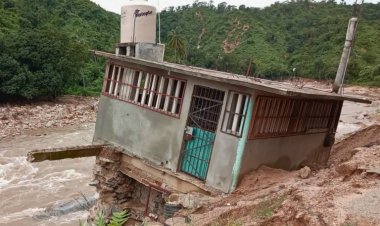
142,132
282,152
158,137
222,161
153,52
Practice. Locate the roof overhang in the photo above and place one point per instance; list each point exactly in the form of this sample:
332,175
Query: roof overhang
274,87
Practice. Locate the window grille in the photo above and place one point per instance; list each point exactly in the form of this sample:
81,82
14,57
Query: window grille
282,117
235,113
159,93
205,108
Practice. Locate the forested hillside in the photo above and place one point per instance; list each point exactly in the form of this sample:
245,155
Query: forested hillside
44,43
44,46
299,34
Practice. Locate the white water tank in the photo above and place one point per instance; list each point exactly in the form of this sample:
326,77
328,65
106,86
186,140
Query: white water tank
138,22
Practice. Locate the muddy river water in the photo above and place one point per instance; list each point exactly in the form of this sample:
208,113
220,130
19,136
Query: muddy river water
28,192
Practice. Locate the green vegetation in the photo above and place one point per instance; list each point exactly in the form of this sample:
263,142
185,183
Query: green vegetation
266,209
44,43
44,47
301,34
117,219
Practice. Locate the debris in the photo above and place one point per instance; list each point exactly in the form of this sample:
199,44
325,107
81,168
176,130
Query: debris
16,119
64,153
190,201
346,169
305,172
374,171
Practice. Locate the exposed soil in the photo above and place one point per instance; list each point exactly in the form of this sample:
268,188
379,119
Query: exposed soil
345,149
234,36
347,192
203,32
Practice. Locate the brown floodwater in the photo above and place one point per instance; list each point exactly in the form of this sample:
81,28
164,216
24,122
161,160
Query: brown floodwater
27,189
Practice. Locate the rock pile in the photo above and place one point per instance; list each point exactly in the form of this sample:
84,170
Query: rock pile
16,119
116,191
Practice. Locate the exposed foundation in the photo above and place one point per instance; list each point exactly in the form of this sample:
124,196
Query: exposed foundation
118,192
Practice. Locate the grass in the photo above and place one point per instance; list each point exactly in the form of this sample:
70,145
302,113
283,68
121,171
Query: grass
349,223
257,213
266,209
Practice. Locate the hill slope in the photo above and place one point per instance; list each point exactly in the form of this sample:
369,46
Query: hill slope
299,34
44,43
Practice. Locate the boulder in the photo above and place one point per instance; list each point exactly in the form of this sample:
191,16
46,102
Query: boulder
305,172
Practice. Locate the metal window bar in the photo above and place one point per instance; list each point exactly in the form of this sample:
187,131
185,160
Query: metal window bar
205,108
235,113
159,93
276,116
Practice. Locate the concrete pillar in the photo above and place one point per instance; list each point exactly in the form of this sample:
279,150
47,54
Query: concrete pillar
341,73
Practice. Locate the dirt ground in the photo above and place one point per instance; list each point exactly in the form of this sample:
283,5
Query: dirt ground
346,193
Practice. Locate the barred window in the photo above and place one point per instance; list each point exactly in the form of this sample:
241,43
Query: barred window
281,116
235,113
156,92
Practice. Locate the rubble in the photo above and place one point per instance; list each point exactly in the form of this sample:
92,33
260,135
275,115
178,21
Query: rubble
305,172
346,169
191,200
16,119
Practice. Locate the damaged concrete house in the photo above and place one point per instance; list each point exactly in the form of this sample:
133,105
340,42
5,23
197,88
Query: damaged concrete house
185,129
173,128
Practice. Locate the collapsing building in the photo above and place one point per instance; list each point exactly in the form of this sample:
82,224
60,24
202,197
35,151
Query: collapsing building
186,129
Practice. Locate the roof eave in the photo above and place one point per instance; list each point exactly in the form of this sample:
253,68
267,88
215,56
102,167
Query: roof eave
252,84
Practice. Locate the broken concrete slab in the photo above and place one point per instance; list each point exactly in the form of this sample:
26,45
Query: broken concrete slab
64,153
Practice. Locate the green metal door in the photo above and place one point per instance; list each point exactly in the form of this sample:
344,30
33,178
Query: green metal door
202,123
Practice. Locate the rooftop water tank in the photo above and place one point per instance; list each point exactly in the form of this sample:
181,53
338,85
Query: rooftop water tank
138,22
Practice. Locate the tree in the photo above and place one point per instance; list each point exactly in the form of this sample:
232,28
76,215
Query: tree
222,6
177,43
46,63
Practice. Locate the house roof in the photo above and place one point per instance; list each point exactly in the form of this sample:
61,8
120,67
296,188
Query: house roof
280,88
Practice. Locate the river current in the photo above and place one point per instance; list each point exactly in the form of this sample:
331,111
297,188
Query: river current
46,193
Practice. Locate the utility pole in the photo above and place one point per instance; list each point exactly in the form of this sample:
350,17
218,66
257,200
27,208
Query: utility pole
350,36
348,45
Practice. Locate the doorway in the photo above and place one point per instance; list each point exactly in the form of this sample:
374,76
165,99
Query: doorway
199,137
